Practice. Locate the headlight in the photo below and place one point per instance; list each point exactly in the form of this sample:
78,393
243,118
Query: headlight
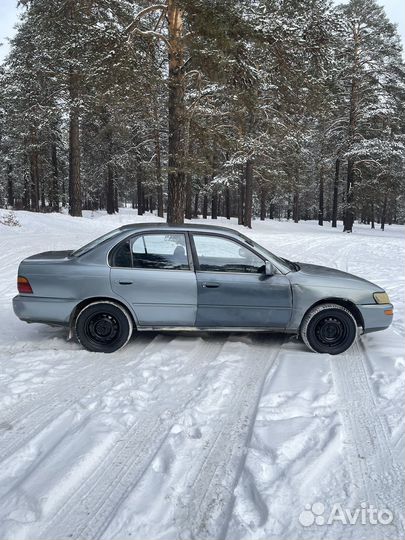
381,298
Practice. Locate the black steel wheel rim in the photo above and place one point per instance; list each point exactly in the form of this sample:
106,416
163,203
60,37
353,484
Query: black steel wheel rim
331,331
102,328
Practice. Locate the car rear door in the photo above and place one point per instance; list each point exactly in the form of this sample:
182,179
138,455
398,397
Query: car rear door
232,288
154,273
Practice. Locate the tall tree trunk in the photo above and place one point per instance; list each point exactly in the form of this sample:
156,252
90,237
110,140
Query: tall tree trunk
63,192
335,193
160,200
214,204
321,208
116,201
10,189
227,203
205,200
248,194
296,206
75,195
110,189
156,135
241,200
152,203
26,193
140,194
54,187
215,199
189,197
42,187
176,83
372,216
263,204
354,98
393,213
195,209
348,219
158,165
34,171
384,212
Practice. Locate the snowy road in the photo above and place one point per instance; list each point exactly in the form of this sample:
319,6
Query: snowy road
208,436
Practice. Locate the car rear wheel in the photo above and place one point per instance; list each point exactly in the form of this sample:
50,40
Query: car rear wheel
103,327
329,328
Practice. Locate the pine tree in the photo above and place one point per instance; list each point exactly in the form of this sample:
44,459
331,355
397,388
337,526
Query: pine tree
371,51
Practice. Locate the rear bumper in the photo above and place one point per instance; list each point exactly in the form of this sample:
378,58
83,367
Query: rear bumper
34,309
374,317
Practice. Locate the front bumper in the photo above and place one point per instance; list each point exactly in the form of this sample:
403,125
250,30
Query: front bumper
34,309
374,316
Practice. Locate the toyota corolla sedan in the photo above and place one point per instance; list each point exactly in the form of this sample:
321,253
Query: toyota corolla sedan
193,277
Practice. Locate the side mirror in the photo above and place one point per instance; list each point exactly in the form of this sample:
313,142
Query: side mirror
269,270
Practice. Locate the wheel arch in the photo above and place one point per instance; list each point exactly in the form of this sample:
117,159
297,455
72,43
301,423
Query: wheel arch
78,308
351,306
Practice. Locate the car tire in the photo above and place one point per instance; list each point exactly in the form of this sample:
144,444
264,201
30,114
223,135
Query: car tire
103,327
329,328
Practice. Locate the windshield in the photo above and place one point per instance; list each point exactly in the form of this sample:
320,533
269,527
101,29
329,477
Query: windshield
96,242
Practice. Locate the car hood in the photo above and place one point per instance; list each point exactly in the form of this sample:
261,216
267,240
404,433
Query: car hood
332,275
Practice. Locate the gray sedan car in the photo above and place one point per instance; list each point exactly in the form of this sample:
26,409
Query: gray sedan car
193,277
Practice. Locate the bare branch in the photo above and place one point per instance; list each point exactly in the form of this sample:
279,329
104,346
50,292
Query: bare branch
193,72
142,13
153,34
160,20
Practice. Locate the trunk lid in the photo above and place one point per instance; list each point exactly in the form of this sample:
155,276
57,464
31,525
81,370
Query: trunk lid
49,256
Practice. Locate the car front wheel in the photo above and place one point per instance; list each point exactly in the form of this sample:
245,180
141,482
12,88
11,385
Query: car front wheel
103,327
329,328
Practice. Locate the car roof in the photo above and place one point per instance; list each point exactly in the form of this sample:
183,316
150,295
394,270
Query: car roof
184,227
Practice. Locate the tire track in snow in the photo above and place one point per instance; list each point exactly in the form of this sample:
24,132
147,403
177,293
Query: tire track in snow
28,418
206,511
91,507
398,444
377,476
63,345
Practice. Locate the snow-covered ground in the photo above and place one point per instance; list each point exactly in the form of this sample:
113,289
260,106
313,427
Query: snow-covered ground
207,436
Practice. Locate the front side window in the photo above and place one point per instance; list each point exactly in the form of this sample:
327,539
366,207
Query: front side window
160,251
217,254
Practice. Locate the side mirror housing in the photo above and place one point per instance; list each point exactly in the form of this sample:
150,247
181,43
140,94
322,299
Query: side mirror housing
269,269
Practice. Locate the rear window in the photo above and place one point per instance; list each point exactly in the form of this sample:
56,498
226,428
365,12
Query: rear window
96,242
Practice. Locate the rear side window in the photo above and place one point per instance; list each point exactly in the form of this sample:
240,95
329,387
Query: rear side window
160,252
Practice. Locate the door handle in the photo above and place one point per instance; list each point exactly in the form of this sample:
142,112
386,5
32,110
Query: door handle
211,285
125,282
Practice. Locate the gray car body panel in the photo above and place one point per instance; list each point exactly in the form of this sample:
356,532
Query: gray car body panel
158,297
252,300
179,298
313,284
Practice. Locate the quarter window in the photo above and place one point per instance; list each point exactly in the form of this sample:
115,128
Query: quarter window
160,251
217,254
121,256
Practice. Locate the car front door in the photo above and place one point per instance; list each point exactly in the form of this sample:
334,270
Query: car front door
154,274
233,289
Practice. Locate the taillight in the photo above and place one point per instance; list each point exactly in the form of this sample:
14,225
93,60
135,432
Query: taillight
23,285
